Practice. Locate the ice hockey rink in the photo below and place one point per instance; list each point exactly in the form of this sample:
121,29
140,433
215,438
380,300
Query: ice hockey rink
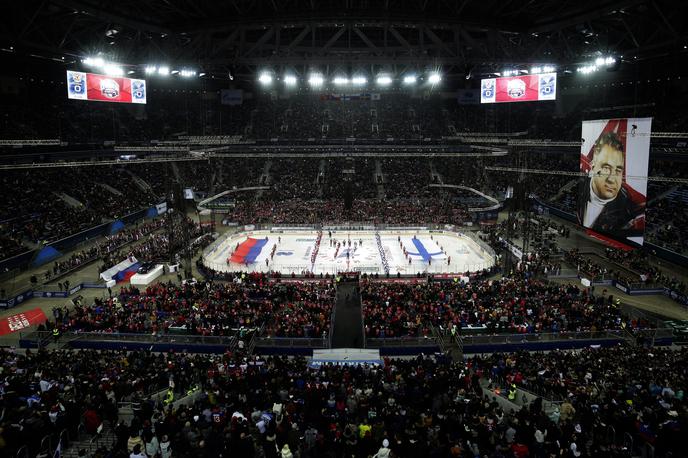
406,252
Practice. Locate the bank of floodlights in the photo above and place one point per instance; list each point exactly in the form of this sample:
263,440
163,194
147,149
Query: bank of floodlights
384,80
358,80
434,78
409,80
265,79
316,80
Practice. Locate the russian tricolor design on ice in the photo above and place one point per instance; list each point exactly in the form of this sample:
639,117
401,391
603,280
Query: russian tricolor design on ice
248,251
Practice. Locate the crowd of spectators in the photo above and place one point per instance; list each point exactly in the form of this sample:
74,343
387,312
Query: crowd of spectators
638,261
359,173
294,179
47,391
47,205
388,211
10,245
104,248
428,406
635,390
518,305
666,220
292,309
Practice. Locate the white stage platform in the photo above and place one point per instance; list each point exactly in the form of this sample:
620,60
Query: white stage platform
146,279
345,357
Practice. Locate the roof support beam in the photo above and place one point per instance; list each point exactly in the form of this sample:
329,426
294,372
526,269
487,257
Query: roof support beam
108,15
367,41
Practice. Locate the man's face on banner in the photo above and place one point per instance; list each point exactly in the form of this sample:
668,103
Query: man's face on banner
607,170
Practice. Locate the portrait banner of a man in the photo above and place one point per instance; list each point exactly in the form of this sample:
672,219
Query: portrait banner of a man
613,193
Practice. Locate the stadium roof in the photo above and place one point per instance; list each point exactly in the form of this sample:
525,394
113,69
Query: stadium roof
243,36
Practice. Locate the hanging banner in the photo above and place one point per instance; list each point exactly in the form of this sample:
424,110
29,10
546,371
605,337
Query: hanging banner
613,194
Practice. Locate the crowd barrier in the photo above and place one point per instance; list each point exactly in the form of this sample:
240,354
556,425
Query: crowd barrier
45,292
558,341
126,341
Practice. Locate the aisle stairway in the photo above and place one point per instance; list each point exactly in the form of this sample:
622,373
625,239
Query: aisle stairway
106,440
347,324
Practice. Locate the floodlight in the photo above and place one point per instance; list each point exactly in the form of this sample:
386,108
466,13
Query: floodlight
94,61
163,71
410,79
434,78
113,70
359,80
316,80
340,81
265,78
150,69
290,80
384,80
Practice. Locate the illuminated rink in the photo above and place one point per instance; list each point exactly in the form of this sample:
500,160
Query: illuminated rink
407,252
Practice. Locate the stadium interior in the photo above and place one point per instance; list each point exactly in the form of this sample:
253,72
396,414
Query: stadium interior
305,229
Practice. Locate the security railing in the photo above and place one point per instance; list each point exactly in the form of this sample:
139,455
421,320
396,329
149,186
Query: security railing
292,342
43,337
613,334
425,341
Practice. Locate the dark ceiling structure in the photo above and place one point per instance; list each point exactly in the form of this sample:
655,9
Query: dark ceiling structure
245,36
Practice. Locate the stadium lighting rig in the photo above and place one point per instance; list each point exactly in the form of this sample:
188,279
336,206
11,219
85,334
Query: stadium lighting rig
384,80
358,80
409,79
599,63
434,78
108,68
316,80
543,69
265,79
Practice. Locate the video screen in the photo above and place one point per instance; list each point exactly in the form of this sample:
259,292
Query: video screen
526,88
103,88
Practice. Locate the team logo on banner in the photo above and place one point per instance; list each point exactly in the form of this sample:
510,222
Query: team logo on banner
138,91
109,88
516,89
488,89
546,85
76,85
